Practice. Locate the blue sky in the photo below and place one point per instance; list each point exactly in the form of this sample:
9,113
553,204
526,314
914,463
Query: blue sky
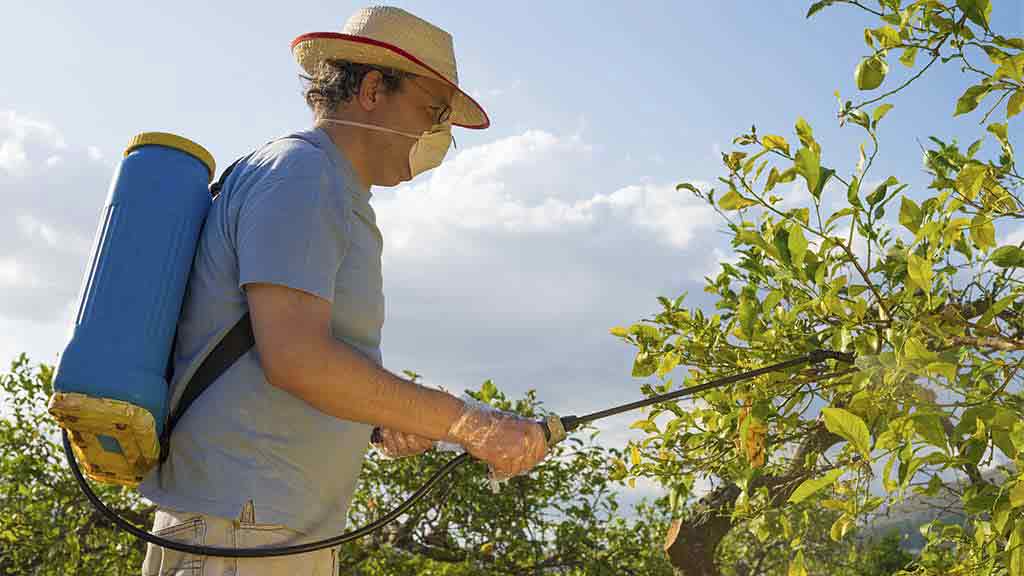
513,259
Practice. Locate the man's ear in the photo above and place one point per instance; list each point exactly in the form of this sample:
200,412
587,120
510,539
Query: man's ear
370,89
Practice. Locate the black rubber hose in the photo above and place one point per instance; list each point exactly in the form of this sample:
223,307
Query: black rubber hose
256,552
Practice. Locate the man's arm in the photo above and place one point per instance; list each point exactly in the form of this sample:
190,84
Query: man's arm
299,355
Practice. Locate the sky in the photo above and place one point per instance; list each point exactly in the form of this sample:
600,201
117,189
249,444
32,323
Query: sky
513,259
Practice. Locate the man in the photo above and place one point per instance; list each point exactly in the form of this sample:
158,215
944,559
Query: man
270,453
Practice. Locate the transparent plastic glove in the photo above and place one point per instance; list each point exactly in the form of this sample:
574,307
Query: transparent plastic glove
510,444
396,444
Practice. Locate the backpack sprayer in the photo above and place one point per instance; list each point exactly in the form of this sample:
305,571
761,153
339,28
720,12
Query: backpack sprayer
111,389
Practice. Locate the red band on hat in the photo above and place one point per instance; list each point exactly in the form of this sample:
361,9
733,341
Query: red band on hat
400,52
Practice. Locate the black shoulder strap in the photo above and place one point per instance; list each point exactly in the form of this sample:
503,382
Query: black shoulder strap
235,343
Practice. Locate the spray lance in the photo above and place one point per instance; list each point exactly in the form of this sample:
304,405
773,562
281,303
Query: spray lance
556,429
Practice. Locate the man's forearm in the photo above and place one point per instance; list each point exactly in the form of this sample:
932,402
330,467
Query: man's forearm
340,381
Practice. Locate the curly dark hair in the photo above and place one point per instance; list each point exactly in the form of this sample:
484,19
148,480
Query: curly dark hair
336,81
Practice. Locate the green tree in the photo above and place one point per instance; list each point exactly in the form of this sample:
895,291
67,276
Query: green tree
563,518
47,527
913,280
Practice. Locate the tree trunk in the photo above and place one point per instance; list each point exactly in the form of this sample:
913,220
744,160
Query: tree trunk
691,542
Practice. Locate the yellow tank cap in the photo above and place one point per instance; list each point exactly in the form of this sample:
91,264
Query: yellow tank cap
173,141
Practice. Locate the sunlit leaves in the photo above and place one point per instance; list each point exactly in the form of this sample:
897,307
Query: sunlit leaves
812,485
850,427
870,72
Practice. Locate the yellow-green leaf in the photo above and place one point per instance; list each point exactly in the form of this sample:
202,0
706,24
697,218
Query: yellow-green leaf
850,427
910,214
773,142
920,271
908,56
983,232
796,565
804,132
1015,104
970,99
970,179
1017,494
812,485
645,425
635,455
619,331
808,165
840,527
1015,545
797,245
1007,257
881,111
870,72
733,201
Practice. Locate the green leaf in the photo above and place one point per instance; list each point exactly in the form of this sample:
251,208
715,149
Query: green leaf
978,11
812,485
1007,257
970,99
920,271
797,245
910,214
645,425
1015,104
870,73
850,427
840,527
1015,545
668,363
943,368
995,309
688,186
853,192
881,111
808,165
619,331
817,6
929,427
804,132
773,142
908,56
823,178
970,179
879,193
983,232
797,568
1017,494
733,201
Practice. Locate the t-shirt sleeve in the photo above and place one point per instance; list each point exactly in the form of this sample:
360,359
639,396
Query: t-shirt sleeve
294,223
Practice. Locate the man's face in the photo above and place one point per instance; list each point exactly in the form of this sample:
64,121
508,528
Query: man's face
420,103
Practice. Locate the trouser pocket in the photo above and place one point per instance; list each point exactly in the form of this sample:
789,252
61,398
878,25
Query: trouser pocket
166,562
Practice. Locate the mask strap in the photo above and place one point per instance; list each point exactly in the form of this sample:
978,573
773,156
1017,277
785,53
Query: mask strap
371,127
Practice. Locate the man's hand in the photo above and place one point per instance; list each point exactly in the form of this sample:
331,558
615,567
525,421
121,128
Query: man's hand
396,444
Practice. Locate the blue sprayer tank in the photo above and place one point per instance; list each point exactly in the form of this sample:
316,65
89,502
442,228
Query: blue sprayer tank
110,391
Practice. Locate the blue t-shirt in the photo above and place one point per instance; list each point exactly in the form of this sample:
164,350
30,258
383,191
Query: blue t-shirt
293,214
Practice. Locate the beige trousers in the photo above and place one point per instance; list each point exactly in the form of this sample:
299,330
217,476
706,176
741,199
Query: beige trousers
201,529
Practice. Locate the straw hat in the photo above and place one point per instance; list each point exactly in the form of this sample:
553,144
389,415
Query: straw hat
393,38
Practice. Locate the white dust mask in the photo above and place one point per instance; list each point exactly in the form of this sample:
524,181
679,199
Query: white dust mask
429,149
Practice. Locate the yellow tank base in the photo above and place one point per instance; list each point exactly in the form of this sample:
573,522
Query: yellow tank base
115,442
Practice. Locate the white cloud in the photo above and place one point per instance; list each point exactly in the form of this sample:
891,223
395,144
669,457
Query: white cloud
518,186
94,153
23,137
53,195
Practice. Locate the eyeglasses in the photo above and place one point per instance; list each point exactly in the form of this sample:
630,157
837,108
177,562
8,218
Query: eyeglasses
442,112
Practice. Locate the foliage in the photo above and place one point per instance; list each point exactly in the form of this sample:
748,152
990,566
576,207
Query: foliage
561,519
47,527
912,280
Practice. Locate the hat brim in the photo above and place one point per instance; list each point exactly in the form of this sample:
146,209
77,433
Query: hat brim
311,49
